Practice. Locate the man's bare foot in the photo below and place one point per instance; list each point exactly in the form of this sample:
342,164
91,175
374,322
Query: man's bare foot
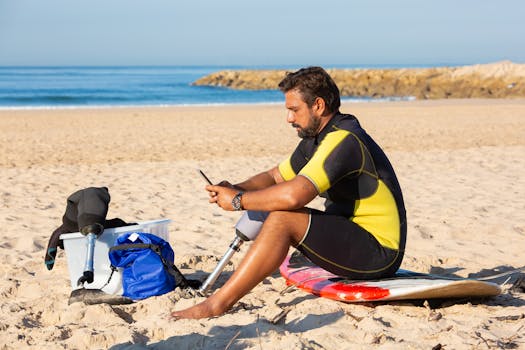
201,310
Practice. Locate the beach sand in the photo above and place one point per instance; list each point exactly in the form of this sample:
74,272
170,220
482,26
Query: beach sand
460,163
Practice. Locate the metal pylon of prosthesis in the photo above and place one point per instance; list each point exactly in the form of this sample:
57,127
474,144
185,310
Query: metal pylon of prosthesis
234,247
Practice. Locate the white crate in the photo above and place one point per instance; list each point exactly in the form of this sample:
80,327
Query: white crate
75,245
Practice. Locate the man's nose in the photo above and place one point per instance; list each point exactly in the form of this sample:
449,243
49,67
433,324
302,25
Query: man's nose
290,117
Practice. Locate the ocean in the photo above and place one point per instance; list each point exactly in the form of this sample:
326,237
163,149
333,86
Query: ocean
71,87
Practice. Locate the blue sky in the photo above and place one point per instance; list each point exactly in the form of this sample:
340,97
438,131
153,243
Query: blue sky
268,32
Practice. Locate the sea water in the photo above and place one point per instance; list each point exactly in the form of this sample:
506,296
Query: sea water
59,87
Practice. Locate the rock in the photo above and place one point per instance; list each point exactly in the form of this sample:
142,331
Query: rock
496,80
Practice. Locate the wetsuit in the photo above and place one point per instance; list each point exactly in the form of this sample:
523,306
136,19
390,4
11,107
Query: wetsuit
362,232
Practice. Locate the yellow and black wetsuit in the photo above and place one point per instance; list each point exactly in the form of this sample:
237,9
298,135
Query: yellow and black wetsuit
362,232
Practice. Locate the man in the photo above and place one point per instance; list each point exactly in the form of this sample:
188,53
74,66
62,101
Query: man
361,234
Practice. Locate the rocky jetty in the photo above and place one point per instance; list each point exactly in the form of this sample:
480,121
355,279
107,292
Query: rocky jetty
495,80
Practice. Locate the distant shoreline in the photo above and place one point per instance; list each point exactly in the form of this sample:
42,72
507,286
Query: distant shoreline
215,104
344,101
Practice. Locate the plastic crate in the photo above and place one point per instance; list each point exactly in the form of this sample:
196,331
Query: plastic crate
75,245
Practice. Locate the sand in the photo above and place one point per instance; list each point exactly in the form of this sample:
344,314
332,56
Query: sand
460,163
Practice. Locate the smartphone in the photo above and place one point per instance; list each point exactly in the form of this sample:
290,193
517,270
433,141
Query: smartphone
205,177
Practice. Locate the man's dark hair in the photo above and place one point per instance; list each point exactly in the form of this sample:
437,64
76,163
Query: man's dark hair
313,82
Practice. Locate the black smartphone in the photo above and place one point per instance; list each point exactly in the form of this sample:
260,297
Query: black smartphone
205,177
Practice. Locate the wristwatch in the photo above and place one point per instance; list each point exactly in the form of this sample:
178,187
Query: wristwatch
236,201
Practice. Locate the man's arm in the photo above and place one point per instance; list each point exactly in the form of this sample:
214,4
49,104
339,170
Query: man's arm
285,195
260,181
288,195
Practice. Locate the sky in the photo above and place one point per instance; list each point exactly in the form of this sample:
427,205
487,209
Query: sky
260,32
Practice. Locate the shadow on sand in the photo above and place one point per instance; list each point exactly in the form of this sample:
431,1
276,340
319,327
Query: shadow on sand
232,337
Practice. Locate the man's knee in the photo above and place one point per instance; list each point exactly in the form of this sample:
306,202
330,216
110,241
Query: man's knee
288,215
291,223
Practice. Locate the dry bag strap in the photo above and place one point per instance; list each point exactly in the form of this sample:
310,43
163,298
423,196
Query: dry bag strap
180,280
134,246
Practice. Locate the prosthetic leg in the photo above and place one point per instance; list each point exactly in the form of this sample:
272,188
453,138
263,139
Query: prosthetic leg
246,229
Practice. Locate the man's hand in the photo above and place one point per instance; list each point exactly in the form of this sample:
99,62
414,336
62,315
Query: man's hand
225,183
222,195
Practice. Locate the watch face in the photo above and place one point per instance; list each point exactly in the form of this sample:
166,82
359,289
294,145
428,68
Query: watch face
236,201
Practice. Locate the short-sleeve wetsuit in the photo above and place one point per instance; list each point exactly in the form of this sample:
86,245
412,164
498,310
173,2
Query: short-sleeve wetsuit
362,232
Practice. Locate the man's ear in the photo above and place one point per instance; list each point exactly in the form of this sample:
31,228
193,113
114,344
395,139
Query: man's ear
319,106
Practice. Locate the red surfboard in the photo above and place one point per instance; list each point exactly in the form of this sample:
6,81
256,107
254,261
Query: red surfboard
300,272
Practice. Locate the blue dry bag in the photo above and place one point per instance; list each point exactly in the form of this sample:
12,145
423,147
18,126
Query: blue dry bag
147,261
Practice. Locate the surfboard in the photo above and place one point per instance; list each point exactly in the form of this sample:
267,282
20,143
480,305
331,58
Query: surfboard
300,272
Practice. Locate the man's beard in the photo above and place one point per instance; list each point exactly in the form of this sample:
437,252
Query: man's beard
309,130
